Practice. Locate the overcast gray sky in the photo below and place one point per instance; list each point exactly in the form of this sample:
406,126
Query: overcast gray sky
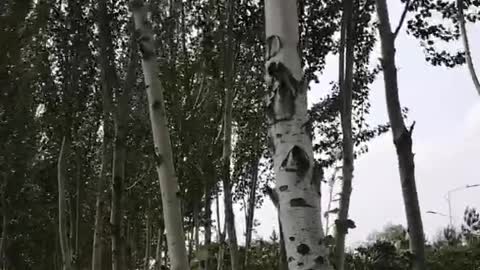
446,139
446,108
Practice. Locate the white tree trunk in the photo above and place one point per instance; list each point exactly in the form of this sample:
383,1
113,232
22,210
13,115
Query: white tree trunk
163,150
294,166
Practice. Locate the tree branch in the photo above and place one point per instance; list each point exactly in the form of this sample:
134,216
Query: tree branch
466,45
402,19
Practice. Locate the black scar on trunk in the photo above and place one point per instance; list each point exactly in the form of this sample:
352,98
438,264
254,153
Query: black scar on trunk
299,202
296,160
303,249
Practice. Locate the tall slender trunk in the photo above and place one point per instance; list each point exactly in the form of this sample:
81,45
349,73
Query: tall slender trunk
221,236
158,252
98,238
133,244
190,244
119,160
402,138
250,211
294,166
345,83
331,185
208,224
62,204
128,242
228,82
77,205
196,223
147,242
99,205
118,176
230,222
71,228
466,45
112,82
163,149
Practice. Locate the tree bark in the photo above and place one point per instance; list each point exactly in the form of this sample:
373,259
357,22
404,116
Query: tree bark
70,226
77,206
196,223
466,45
227,145
118,177
250,211
331,185
294,166
402,139
121,111
208,223
107,87
163,150
345,84
221,236
62,204
99,205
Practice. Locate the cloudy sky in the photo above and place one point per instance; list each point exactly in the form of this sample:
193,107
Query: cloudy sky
446,108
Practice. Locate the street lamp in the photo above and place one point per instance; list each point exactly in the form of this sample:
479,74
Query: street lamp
448,198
